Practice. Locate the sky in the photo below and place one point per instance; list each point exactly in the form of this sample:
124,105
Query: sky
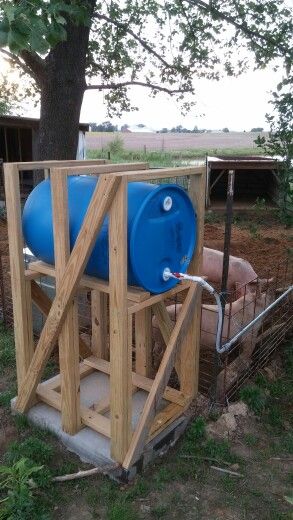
237,103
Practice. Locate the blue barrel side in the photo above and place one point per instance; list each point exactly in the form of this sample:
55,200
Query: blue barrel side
155,239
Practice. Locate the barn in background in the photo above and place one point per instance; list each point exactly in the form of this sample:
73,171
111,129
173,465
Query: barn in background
19,141
255,180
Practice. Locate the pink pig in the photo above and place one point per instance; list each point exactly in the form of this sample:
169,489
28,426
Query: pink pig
241,272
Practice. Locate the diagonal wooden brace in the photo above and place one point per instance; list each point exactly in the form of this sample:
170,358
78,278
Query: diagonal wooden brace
161,380
166,326
99,206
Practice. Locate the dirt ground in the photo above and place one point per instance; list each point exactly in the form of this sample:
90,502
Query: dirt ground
265,245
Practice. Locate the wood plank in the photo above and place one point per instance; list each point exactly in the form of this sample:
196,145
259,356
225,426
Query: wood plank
150,408
40,298
69,334
164,418
89,417
164,173
43,302
89,282
99,310
96,421
54,383
99,206
120,353
22,311
189,356
103,406
165,323
166,326
143,342
50,397
144,383
151,300
105,168
47,165
31,275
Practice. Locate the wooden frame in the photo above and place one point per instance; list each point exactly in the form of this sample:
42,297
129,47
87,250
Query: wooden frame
127,305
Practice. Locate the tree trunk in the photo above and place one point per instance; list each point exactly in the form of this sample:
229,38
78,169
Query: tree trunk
62,90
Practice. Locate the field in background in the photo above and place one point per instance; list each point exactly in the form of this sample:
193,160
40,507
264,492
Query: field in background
167,149
176,141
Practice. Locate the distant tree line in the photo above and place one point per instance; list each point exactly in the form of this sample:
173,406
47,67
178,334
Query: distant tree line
106,126
181,130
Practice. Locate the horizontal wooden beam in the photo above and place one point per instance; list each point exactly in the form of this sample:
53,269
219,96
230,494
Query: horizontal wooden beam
144,383
243,165
91,418
54,383
42,165
89,282
104,168
152,300
162,173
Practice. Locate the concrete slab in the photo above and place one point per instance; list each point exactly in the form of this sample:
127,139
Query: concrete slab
93,447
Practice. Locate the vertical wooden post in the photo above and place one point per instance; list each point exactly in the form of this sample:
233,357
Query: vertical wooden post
22,311
69,336
99,308
120,355
143,342
189,358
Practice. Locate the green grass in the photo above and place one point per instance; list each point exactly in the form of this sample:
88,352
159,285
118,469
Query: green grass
166,158
7,352
255,397
121,511
31,448
6,396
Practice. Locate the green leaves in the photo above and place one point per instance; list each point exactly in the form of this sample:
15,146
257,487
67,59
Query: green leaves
38,25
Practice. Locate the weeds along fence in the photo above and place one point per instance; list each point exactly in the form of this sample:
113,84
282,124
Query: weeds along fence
222,376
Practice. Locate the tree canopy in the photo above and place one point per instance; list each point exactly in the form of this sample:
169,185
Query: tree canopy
159,45
162,46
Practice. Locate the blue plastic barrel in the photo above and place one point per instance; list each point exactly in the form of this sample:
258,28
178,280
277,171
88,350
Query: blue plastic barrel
161,229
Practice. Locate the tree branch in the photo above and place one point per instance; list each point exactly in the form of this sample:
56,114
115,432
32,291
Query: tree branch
36,64
115,86
29,63
140,40
241,26
14,59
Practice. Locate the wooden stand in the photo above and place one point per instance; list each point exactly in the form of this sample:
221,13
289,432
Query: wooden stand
111,416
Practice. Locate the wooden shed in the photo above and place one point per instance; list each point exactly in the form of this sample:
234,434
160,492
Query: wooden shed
19,141
255,179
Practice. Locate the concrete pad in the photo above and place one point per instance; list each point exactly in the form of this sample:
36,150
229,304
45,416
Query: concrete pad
93,447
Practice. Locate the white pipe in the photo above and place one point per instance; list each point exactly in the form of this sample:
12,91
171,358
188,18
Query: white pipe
223,348
181,276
